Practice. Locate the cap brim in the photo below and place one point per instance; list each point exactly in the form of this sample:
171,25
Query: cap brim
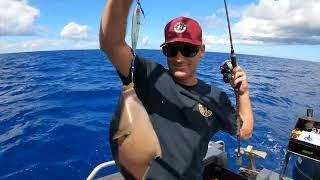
198,43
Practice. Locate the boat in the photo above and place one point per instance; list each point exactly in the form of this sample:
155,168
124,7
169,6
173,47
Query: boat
216,162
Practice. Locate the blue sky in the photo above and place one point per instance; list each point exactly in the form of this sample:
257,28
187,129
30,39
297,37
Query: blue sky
278,28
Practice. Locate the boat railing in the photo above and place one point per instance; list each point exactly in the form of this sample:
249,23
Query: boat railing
98,168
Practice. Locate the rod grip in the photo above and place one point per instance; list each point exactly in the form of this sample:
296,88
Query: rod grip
233,60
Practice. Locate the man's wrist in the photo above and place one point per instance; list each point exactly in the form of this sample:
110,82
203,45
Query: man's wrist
245,93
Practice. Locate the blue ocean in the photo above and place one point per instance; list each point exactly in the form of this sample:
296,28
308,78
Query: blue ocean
55,109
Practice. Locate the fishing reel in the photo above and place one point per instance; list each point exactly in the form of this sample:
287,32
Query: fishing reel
226,71
226,68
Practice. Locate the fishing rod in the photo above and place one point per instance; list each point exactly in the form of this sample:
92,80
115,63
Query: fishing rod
232,54
226,69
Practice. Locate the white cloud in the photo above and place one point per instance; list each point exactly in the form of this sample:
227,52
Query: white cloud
86,45
233,11
211,39
214,21
45,44
145,41
283,21
222,43
17,17
28,45
74,31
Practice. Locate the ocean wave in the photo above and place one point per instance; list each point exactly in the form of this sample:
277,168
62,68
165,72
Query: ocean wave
55,108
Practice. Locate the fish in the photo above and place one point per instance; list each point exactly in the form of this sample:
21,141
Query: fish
134,143
135,28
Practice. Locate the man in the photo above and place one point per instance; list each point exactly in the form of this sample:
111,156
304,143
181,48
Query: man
185,111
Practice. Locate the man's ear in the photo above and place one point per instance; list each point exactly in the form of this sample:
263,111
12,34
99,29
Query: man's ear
202,50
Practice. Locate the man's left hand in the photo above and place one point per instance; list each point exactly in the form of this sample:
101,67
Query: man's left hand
240,80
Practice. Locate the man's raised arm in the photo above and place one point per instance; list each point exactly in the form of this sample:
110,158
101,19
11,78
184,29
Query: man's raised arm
112,34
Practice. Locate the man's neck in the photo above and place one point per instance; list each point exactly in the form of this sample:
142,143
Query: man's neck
188,82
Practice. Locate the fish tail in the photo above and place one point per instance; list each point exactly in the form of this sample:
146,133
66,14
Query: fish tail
140,7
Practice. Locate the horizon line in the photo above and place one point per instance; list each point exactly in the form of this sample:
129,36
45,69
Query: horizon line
288,58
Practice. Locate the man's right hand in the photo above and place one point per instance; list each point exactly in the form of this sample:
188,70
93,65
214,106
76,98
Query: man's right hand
112,34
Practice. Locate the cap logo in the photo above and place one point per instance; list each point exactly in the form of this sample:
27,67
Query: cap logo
180,27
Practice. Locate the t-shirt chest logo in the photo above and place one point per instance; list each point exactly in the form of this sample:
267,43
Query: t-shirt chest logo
204,111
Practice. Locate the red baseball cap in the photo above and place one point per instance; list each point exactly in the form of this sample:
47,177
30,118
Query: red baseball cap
183,29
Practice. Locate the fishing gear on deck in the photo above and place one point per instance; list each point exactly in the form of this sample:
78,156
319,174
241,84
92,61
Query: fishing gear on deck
226,70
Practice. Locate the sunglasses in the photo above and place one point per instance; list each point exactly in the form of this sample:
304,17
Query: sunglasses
171,50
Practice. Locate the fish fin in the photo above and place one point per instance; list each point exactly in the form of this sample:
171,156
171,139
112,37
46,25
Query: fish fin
121,133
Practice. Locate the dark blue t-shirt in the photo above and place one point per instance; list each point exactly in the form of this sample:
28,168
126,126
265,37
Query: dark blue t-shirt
181,119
